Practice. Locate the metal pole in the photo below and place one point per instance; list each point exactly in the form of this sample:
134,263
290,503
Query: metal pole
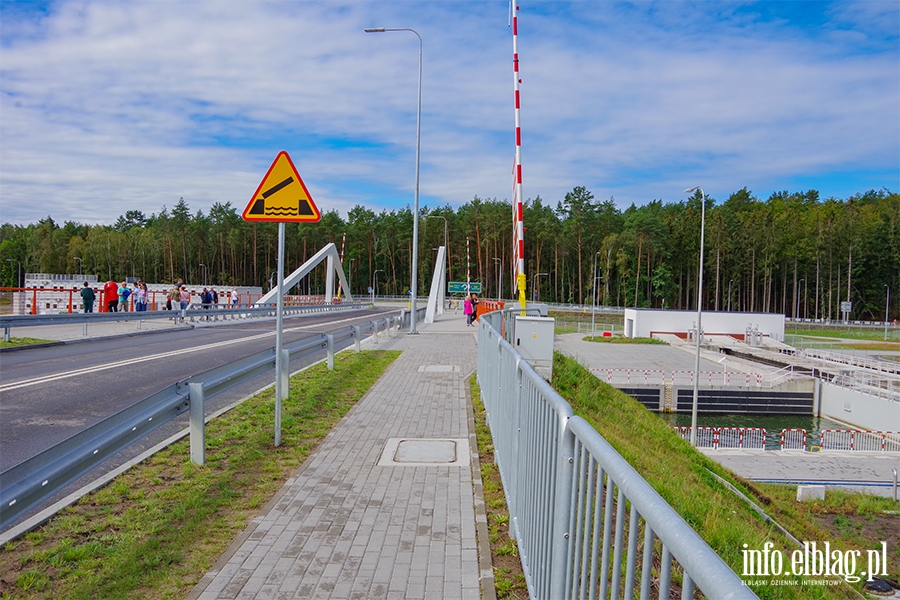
415,248
887,305
729,294
499,272
375,282
520,225
279,324
799,287
593,294
699,314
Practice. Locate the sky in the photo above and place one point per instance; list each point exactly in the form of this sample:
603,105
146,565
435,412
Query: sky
109,106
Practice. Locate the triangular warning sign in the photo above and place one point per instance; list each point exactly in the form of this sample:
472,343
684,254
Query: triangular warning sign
282,196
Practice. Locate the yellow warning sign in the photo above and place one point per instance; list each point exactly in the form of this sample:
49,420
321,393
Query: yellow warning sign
282,196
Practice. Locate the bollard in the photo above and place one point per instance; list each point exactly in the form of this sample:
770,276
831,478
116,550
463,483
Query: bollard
84,329
6,333
375,331
356,335
330,343
198,424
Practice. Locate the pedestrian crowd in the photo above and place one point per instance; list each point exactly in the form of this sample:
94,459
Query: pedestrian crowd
119,297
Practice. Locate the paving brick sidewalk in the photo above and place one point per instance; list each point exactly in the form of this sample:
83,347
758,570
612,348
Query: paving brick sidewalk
345,526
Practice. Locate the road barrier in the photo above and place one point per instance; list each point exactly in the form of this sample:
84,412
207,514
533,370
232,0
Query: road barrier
189,315
793,439
563,482
860,440
32,482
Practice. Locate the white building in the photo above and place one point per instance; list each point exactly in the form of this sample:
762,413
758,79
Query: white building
644,322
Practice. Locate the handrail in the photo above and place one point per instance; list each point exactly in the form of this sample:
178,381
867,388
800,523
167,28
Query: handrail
38,478
560,479
7,322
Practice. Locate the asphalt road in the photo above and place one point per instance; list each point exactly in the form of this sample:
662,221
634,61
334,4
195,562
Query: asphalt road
49,394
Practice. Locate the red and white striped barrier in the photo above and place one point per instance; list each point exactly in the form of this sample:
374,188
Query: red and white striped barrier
629,376
793,439
726,437
860,440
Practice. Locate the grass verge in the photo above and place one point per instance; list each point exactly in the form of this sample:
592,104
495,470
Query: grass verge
155,531
509,578
876,335
26,341
681,475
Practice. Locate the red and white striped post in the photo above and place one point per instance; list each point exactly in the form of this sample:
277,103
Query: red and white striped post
521,280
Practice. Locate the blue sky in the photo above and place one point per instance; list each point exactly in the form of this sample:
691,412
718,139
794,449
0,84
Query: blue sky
110,106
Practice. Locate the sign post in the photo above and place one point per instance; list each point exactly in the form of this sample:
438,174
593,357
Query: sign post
282,198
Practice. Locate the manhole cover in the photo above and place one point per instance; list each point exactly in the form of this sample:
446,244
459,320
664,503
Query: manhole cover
417,452
438,368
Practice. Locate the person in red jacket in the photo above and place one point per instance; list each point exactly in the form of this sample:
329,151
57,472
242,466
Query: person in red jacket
111,295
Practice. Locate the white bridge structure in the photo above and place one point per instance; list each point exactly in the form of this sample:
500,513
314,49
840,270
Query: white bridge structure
332,266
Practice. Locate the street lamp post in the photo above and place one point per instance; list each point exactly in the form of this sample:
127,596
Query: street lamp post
415,248
887,306
499,272
729,294
799,287
699,314
350,275
375,282
593,293
534,284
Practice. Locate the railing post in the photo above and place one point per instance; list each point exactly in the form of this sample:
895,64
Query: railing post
198,424
6,333
561,509
356,336
330,342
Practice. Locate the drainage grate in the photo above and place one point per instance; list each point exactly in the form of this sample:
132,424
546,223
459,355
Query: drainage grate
417,452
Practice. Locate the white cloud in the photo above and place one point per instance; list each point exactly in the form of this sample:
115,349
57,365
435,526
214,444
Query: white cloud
107,107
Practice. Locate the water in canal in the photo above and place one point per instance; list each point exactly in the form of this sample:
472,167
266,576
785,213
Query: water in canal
772,424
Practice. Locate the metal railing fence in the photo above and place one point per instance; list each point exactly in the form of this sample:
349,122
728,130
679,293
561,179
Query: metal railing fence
39,478
193,314
563,482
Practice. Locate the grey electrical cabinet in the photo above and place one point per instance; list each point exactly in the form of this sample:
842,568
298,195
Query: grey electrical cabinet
534,341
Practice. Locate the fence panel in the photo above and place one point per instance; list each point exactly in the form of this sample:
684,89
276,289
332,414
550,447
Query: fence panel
793,439
564,483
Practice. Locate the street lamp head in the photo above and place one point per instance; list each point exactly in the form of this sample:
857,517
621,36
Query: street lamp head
692,190
374,30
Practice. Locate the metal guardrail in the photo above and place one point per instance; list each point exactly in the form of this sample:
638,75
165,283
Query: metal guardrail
37,479
563,481
193,314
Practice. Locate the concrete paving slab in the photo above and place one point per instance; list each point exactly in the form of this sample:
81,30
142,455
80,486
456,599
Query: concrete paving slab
868,472
345,526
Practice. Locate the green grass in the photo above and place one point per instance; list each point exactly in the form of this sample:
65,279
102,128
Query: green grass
509,578
25,341
681,475
876,335
156,530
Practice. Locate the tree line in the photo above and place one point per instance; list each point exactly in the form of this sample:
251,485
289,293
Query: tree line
792,253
